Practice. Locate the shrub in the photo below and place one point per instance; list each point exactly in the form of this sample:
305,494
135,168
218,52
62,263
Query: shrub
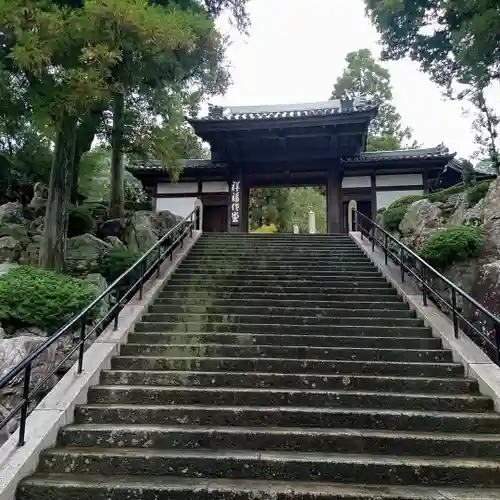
443,195
452,245
80,221
477,192
271,228
397,210
405,201
116,262
381,210
393,217
35,297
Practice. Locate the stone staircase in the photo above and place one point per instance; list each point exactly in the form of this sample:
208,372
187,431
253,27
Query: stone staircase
277,367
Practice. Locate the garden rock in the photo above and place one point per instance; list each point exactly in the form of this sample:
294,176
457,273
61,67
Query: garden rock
421,215
8,246
12,213
141,235
84,254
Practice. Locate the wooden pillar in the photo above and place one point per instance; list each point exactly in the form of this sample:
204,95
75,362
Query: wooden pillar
334,200
245,205
235,204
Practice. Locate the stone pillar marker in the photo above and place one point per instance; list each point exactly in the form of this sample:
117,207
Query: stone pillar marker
312,222
295,229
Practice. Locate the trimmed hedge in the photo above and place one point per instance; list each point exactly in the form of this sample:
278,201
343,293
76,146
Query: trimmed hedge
477,192
457,244
34,297
397,210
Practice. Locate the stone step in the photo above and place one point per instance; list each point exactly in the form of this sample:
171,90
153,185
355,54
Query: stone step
294,366
274,465
286,340
288,380
162,312
243,273
224,396
277,329
347,303
99,487
294,352
243,416
286,439
283,281
374,318
388,295
289,253
287,263
342,287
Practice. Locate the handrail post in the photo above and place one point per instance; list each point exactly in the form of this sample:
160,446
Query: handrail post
386,247
159,262
401,258
117,303
25,406
497,340
454,311
142,270
373,238
81,348
424,286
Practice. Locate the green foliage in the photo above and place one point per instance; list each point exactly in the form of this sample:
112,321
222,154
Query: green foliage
269,206
397,210
303,200
34,297
266,229
452,40
365,76
79,222
405,201
394,216
443,195
381,210
116,262
468,174
477,192
446,247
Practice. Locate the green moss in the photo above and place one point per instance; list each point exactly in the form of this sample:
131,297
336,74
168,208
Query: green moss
449,246
30,296
443,195
477,192
397,210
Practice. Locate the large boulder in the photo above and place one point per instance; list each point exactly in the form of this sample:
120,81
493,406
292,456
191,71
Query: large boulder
12,351
30,254
84,254
491,208
8,247
141,235
12,213
421,214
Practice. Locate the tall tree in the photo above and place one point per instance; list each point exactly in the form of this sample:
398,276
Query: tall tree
485,128
269,206
453,40
364,76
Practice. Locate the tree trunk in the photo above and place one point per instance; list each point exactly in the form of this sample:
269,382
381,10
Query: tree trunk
116,200
53,246
84,138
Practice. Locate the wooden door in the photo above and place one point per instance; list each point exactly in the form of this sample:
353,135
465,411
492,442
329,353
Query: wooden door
215,219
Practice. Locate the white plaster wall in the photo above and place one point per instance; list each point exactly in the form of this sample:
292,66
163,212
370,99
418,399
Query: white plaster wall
356,182
385,198
177,188
215,187
178,206
399,180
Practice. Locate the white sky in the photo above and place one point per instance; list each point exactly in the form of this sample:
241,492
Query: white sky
296,50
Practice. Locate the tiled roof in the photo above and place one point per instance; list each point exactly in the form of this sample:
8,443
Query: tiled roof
283,111
401,154
156,166
484,167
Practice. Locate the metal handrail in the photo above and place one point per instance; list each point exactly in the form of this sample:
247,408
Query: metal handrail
146,266
422,274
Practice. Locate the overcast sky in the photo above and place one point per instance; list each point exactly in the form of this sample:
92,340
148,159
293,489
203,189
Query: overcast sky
296,50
